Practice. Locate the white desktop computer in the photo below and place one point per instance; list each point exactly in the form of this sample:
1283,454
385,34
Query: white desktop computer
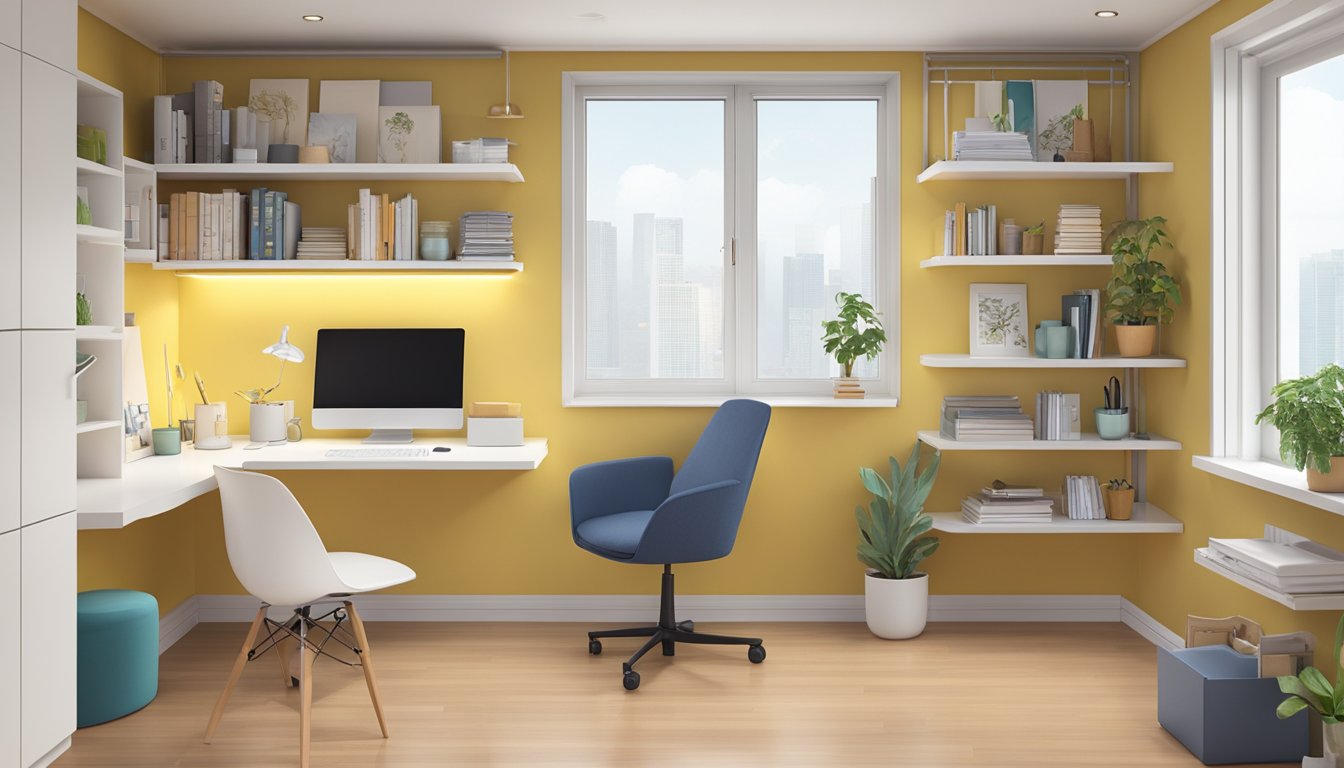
388,380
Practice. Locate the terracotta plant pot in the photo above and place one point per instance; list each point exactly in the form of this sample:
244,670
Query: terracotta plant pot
1119,503
1136,340
1331,482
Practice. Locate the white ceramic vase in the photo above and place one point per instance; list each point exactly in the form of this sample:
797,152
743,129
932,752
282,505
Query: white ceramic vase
1333,742
896,609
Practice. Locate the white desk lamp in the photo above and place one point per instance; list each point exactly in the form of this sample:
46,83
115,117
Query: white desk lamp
269,425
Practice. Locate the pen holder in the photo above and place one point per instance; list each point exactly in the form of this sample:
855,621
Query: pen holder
1112,423
167,441
187,428
212,427
267,423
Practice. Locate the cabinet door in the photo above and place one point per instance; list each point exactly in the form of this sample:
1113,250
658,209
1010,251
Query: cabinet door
10,152
50,31
10,19
47,425
9,650
10,434
47,626
47,177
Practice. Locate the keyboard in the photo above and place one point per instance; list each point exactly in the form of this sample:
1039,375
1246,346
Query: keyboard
377,453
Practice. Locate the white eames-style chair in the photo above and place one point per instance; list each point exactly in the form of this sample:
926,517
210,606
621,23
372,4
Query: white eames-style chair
279,558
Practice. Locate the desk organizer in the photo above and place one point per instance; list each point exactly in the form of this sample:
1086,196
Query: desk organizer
488,432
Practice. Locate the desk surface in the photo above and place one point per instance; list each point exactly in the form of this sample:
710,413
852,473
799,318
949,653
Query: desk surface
154,485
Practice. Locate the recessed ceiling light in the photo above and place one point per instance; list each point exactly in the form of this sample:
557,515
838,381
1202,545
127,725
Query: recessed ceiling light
1107,14
312,17
591,17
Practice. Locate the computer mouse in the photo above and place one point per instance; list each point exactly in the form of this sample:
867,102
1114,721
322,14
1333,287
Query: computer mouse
442,449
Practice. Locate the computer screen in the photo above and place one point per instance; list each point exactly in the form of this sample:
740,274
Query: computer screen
388,379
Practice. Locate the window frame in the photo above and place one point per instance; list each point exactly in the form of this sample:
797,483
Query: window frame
740,91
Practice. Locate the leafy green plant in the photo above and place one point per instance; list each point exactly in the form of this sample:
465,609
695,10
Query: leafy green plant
892,528
1058,134
1119,484
1037,229
857,332
1310,690
1309,414
1000,121
1140,291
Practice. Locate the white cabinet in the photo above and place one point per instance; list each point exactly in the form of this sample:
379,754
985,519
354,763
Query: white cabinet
10,435
48,188
10,152
51,31
10,18
9,650
47,425
48,624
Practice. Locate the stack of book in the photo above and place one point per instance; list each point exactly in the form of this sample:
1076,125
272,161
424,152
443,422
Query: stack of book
1082,498
848,388
322,243
1295,566
379,228
970,232
1002,503
984,418
192,127
1081,310
486,236
208,227
1078,230
991,145
1058,416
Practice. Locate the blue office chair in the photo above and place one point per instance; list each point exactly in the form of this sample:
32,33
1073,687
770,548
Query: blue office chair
636,511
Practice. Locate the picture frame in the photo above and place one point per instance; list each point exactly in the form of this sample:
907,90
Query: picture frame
998,320
339,133
409,134
284,103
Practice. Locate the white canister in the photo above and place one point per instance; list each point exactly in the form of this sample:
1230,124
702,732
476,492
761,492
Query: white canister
267,423
212,427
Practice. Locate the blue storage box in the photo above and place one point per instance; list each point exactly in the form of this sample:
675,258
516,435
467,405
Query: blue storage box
1211,700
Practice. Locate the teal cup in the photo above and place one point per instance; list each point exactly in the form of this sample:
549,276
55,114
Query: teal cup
1112,423
1058,342
1041,330
167,441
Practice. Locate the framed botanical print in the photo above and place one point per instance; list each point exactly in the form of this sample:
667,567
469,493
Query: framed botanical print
999,320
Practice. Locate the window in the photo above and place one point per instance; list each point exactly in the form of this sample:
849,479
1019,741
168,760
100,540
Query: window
710,221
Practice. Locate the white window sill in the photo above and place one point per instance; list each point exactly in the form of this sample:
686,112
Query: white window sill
1272,478
714,401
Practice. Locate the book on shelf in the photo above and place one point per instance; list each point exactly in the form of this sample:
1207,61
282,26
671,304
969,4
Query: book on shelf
1058,416
1082,310
970,231
201,226
1002,503
991,145
993,417
1294,565
486,236
381,229
1082,498
1078,230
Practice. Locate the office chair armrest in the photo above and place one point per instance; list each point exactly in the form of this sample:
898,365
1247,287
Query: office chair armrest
623,485
697,524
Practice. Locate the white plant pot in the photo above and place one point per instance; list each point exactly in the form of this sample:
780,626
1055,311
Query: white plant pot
896,609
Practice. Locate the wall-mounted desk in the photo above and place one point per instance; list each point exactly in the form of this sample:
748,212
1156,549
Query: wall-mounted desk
157,484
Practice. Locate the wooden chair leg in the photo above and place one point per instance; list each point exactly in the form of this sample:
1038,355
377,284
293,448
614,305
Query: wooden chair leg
235,673
366,662
305,706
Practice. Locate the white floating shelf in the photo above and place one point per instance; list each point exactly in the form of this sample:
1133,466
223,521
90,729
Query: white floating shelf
85,233
1146,518
95,426
1089,442
338,265
989,170
84,167
1107,361
1048,260
1298,602
342,171
141,255
97,333
132,165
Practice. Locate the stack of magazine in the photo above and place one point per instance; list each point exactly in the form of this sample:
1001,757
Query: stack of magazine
991,145
1294,565
988,417
1002,503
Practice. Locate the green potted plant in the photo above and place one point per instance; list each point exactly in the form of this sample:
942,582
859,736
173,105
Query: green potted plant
1033,240
856,332
1309,414
1140,293
892,543
1310,690
1057,135
1119,499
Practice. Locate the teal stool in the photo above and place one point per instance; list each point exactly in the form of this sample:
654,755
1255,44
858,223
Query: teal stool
118,668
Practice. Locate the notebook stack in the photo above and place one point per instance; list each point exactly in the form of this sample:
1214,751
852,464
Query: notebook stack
991,145
486,236
1082,498
1078,230
322,243
483,150
985,418
1295,567
1001,503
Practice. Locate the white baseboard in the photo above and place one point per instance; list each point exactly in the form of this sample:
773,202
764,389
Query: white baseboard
709,608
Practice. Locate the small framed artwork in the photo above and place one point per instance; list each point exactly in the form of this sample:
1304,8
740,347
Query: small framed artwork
337,132
999,320
408,134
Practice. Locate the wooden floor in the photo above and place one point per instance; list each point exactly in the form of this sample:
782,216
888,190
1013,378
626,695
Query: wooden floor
529,694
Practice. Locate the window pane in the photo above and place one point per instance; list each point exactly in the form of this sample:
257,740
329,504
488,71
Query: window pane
1311,197
655,236
816,164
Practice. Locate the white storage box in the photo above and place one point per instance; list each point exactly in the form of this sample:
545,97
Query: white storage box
494,432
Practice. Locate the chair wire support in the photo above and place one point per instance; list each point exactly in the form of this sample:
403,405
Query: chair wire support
302,626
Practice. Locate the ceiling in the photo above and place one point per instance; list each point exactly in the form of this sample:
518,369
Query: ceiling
241,25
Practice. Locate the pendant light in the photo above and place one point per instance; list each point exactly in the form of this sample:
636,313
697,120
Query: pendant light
508,110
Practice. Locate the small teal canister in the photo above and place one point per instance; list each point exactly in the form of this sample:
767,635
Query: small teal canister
1041,342
436,240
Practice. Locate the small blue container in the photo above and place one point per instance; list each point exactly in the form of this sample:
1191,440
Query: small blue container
167,441
1112,423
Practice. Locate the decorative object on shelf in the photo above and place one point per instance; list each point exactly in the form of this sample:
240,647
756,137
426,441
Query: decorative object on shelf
998,319
83,312
1311,690
483,150
1059,340
91,143
1309,414
245,155
436,243
1082,142
1033,240
1113,418
294,430
83,213
856,332
408,134
405,93
167,441
1119,497
1057,137
892,544
507,110
314,154
267,424
83,361
1021,98
1140,293
1010,238
1000,123
1057,104
282,153
359,98
1042,339
212,426
338,133
284,103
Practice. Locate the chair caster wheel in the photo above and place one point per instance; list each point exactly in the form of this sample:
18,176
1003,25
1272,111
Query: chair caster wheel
630,681
686,626
595,647
756,654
